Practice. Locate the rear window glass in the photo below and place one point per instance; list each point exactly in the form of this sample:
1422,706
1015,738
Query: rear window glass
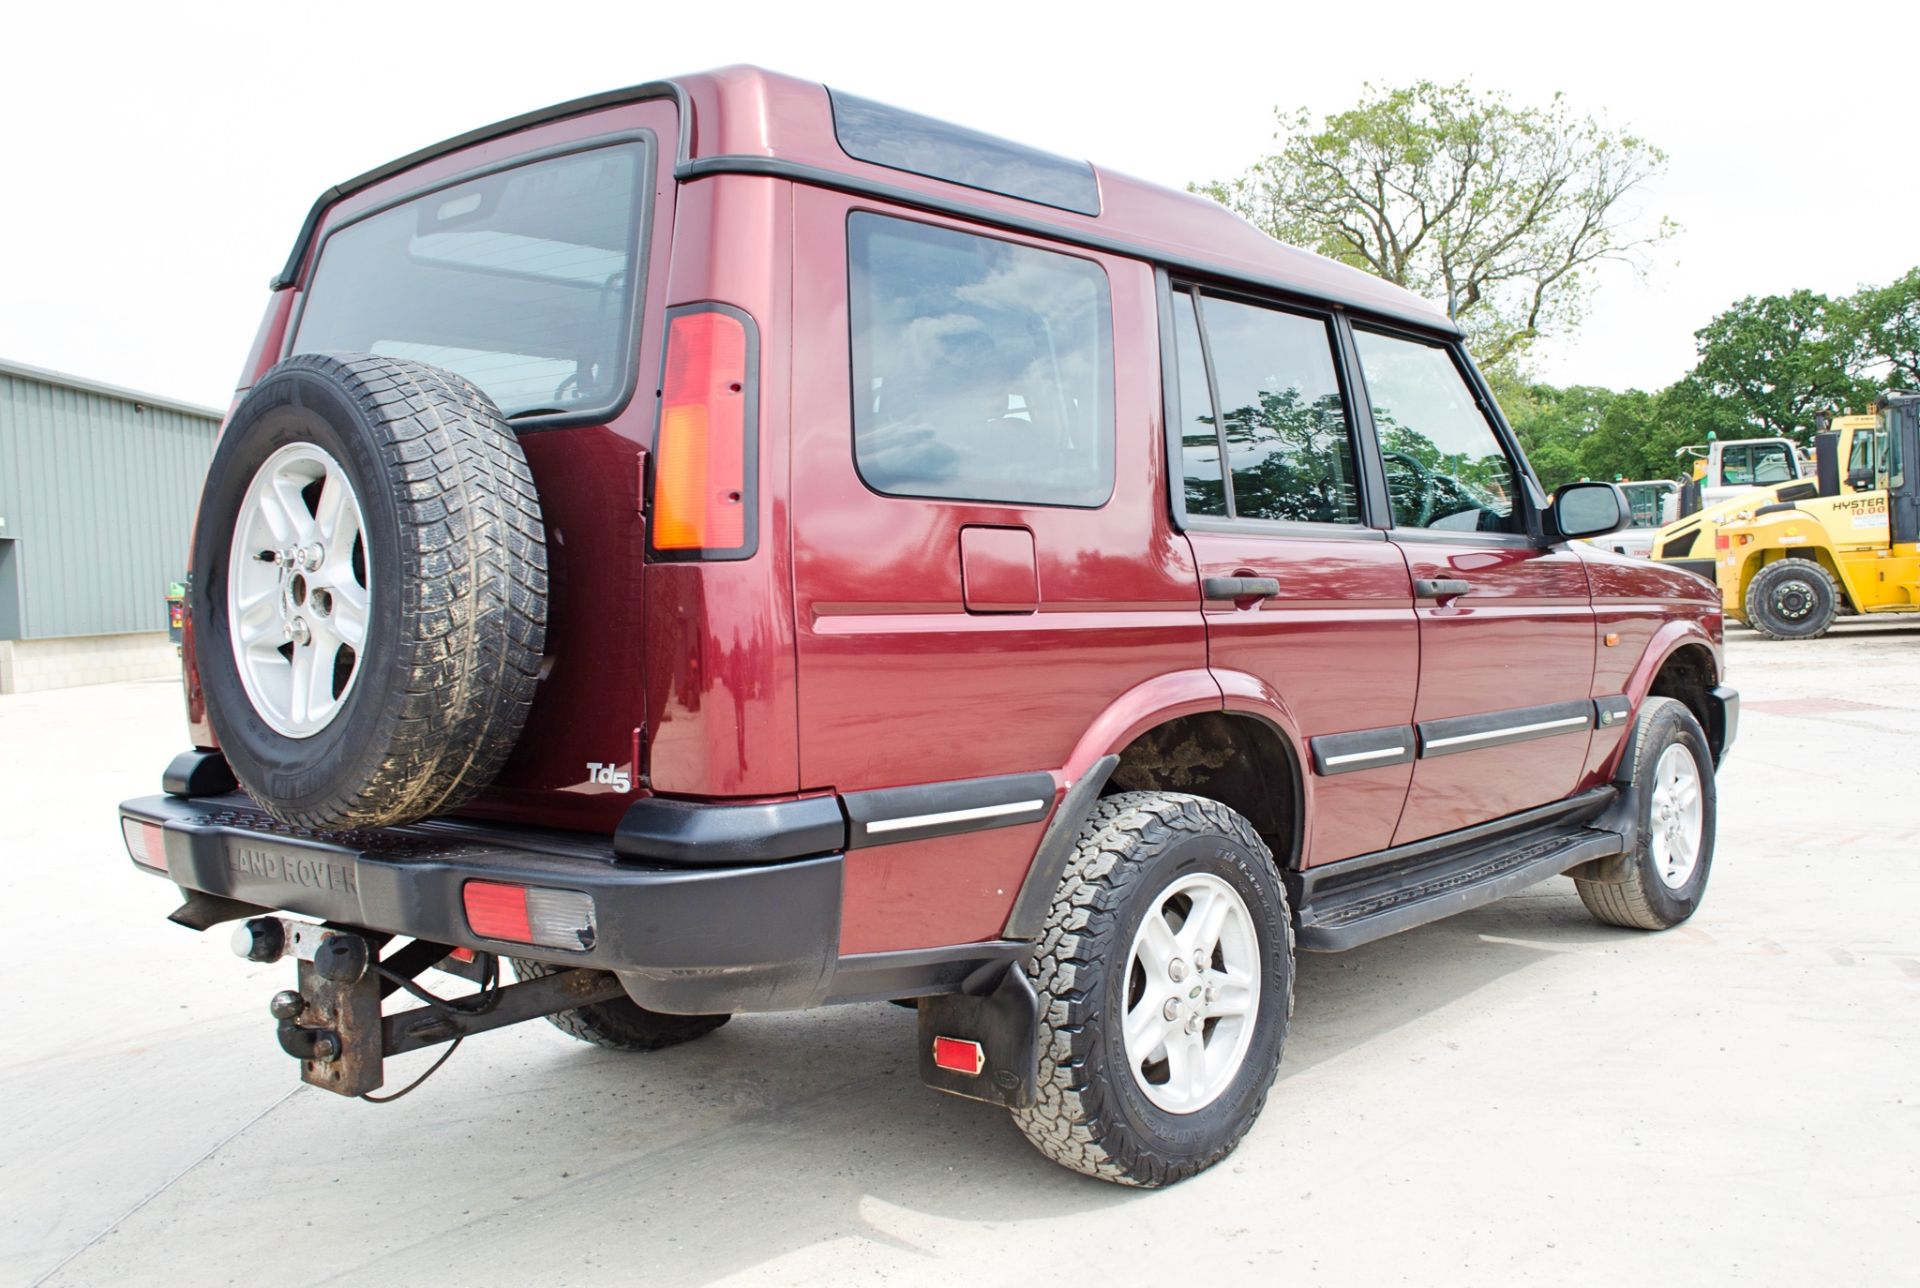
982,370
915,144
522,281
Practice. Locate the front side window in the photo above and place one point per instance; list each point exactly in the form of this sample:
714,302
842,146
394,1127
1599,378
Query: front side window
1281,421
1444,463
982,369
521,281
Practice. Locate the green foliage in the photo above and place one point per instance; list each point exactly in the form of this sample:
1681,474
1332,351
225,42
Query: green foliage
1768,366
1780,361
1887,322
1497,210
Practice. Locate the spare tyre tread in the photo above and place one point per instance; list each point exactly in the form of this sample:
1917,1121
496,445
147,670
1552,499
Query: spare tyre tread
472,475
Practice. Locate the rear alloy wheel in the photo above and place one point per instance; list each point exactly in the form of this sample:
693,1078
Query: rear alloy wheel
1792,599
1165,975
1193,987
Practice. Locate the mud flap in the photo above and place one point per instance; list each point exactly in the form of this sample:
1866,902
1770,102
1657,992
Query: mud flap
996,1030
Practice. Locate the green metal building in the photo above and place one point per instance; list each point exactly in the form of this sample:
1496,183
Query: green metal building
97,492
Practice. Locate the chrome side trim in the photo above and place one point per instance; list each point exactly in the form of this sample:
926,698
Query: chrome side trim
1497,728
914,822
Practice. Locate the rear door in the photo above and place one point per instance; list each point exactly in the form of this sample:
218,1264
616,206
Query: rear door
1506,622
1272,494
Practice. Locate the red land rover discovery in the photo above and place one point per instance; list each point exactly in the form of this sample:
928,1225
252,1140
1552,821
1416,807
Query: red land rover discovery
727,545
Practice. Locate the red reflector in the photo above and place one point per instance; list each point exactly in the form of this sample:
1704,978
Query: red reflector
1721,541
960,1055
461,954
146,843
497,911
700,495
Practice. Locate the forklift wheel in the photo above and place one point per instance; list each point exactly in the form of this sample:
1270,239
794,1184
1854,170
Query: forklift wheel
1792,599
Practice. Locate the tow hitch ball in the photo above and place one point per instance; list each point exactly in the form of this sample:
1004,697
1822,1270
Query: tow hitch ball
331,1022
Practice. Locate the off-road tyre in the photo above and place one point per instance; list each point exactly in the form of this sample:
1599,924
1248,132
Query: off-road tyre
1640,900
621,1024
1090,1114
1781,588
456,549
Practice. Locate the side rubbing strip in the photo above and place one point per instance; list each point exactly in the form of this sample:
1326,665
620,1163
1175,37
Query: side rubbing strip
1346,753
942,809
1612,711
1497,728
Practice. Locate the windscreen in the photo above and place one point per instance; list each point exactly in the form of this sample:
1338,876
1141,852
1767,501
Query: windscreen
522,281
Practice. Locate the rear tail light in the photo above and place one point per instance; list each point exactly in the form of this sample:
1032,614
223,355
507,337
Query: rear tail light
704,469
530,914
146,843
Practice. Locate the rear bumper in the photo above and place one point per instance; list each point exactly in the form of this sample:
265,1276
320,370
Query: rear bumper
761,937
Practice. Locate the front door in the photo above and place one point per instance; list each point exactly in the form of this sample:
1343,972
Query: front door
1507,639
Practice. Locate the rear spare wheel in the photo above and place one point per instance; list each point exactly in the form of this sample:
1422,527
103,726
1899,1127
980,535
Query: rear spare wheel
369,591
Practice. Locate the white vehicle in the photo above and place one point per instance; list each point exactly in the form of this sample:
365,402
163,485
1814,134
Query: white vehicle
1726,469
1655,503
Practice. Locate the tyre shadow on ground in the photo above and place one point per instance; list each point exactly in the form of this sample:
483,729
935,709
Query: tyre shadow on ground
775,1136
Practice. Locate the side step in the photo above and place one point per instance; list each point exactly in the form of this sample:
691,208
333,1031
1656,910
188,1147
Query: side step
1359,900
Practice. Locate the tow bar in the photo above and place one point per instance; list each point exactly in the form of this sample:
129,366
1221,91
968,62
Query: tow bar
332,1022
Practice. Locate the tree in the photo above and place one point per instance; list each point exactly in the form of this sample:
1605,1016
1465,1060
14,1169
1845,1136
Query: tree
1887,322
1497,211
1779,362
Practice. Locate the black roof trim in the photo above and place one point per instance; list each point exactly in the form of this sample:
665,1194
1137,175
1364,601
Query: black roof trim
290,274
1066,234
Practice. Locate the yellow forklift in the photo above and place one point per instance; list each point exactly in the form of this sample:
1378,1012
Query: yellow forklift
1688,541
1790,567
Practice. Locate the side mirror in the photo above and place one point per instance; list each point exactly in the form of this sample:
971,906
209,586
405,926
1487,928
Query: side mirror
1587,510
1861,480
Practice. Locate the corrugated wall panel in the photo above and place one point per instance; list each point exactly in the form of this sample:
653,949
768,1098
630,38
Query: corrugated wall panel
97,493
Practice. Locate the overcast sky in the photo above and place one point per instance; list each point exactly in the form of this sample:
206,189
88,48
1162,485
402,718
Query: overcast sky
161,157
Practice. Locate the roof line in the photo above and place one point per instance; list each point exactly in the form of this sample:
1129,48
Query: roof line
47,376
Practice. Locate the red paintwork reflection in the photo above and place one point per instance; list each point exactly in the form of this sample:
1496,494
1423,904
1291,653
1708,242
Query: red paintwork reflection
1523,637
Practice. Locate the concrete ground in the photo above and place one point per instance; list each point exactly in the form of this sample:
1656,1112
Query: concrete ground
1517,1095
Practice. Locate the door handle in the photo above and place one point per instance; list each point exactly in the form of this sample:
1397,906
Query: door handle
1443,589
1238,588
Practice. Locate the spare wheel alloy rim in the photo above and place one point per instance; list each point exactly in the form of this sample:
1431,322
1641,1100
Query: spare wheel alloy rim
1192,993
1679,817
299,590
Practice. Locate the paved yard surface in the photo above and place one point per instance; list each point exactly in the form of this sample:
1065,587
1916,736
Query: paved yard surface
1518,1095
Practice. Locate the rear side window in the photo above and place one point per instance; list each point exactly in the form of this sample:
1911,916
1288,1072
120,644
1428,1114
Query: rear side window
1281,425
522,281
982,370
